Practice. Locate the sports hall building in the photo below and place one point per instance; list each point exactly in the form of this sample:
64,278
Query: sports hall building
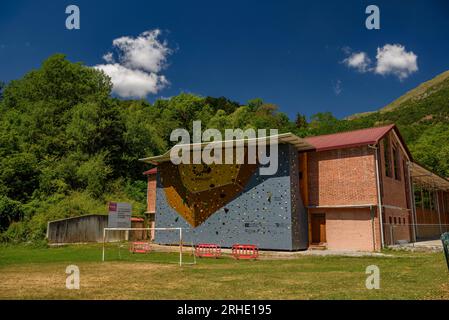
357,190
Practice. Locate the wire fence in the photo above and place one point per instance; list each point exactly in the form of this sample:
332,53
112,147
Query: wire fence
395,234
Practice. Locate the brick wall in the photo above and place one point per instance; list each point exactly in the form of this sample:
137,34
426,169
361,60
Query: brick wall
395,199
394,190
345,177
351,229
342,177
151,193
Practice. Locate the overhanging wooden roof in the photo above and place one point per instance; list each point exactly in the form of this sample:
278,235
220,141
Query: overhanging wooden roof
426,177
299,143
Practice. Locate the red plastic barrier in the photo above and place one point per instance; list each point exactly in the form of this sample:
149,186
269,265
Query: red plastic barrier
208,250
245,251
140,247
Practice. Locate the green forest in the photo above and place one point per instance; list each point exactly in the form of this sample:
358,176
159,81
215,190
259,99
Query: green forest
67,147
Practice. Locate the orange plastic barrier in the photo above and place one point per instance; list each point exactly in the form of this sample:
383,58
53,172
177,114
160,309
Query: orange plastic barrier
140,247
245,251
208,250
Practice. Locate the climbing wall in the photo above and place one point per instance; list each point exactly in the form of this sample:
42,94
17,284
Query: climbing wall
198,191
229,204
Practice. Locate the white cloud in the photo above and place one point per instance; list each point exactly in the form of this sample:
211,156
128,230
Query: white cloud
132,83
394,59
144,52
109,57
359,61
391,59
136,71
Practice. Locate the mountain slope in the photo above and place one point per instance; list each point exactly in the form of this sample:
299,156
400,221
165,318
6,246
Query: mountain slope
422,116
421,92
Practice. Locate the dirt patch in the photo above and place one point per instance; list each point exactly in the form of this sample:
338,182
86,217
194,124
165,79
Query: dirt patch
97,280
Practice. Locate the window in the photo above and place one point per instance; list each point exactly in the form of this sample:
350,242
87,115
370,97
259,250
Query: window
390,219
387,156
395,221
396,166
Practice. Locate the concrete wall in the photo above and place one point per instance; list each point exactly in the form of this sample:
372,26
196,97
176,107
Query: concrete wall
78,229
267,213
89,228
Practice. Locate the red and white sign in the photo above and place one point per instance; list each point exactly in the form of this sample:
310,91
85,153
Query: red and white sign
119,215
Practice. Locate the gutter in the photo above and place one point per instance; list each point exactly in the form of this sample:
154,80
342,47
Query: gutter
379,196
373,229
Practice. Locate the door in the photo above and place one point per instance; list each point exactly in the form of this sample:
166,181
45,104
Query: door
318,228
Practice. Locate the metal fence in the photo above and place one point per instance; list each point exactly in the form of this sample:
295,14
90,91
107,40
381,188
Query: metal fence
395,234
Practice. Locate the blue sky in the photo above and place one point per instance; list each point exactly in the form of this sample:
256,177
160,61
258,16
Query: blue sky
290,53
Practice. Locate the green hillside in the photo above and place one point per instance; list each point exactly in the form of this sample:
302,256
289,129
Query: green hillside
67,147
421,92
422,116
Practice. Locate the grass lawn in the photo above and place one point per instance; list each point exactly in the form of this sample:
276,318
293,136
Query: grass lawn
39,273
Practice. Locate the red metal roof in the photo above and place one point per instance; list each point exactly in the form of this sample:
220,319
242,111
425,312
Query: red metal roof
151,171
349,139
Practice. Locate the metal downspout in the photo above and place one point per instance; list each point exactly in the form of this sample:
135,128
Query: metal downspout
379,196
373,229
413,200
